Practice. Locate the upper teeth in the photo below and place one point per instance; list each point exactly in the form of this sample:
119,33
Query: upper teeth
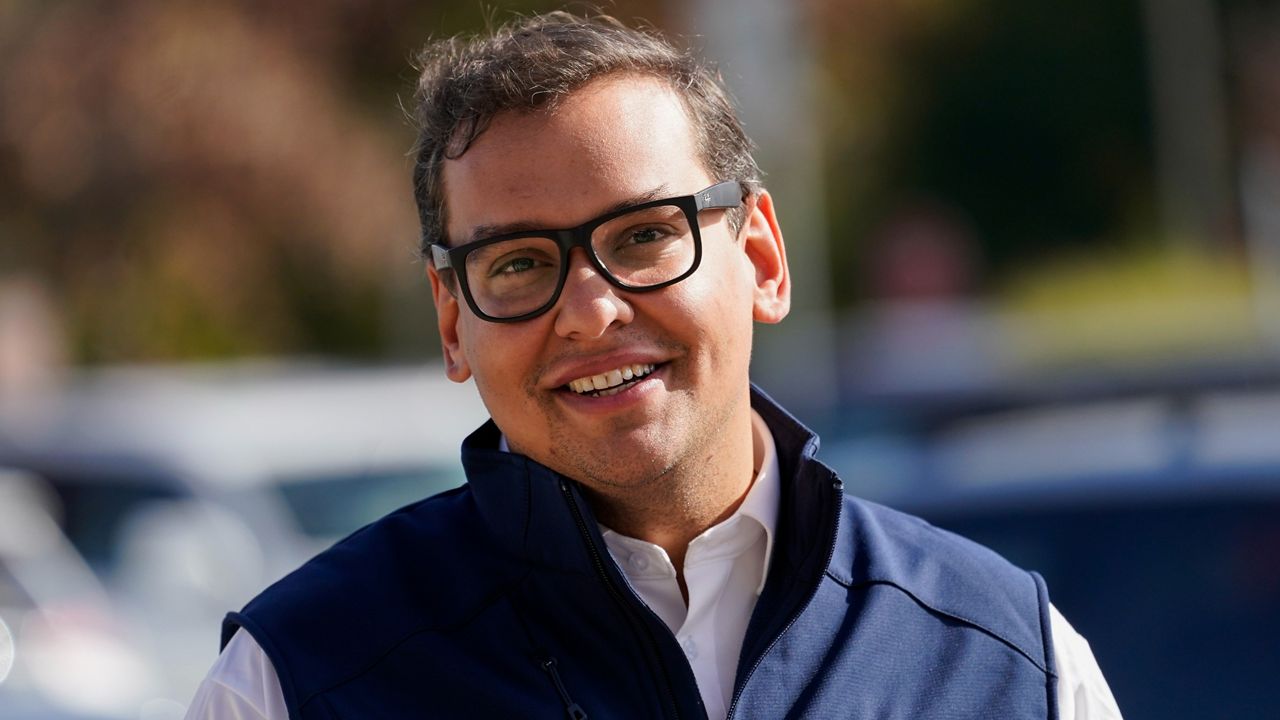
610,379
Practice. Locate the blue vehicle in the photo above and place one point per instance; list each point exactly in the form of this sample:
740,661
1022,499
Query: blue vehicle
1153,512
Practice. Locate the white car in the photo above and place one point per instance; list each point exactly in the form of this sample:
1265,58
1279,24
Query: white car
189,489
63,648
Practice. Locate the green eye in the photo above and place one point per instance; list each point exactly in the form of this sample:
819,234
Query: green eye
517,265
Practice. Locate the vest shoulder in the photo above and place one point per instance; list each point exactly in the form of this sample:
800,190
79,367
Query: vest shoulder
944,572
426,567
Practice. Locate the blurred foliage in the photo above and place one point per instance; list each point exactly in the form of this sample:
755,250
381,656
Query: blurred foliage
187,175
203,180
1025,123
1123,305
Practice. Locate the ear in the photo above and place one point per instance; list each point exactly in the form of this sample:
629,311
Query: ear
768,255
447,316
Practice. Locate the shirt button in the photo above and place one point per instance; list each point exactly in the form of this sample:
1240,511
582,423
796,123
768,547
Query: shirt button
640,561
690,648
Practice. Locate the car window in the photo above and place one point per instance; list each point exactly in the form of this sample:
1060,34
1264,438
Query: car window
94,508
334,506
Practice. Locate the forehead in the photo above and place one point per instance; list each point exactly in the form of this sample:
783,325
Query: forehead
617,137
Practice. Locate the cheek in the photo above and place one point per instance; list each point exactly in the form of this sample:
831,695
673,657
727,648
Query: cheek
487,367
503,358
733,292
719,319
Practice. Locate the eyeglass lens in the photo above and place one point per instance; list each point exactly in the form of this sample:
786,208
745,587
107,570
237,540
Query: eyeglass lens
645,247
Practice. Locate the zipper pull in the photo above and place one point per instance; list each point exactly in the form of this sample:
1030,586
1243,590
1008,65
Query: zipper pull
575,712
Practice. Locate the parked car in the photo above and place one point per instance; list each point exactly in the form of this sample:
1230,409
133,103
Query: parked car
189,489
1152,511
64,652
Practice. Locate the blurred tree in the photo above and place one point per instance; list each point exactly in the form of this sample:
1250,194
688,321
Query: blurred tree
202,180
176,171
1029,120
199,180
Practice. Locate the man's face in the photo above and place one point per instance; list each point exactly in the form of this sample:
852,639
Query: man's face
620,139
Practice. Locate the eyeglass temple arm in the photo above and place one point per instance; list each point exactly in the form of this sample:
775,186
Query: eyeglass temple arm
727,194
440,257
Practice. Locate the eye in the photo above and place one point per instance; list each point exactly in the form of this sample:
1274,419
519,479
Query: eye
510,260
645,235
515,266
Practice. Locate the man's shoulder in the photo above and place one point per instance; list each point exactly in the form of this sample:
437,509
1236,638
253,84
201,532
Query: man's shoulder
428,565
914,540
429,526
945,573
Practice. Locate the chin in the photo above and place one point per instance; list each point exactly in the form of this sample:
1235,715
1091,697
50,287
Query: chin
619,470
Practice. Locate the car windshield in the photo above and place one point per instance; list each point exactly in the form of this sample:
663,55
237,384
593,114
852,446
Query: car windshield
333,506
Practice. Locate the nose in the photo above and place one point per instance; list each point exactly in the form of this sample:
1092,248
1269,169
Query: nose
589,304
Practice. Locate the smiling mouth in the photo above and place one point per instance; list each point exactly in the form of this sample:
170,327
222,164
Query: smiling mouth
611,382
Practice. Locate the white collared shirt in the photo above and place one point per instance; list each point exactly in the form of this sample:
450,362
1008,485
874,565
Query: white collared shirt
725,570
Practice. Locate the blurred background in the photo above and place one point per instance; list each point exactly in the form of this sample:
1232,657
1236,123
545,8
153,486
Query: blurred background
1036,248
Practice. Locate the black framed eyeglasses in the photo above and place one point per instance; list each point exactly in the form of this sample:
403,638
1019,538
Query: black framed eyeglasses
517,276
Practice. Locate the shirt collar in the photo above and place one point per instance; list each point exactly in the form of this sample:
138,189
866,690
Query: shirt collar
761,502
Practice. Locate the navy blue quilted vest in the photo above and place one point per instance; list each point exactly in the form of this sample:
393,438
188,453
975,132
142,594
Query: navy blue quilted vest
499,600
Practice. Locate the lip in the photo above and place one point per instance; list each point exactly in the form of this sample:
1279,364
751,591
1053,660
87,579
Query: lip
562,373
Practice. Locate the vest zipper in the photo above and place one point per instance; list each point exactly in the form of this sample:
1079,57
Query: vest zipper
838,486
617,595
575,712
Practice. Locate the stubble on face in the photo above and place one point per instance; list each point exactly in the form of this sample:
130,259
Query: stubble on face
635,461
653,485
651,476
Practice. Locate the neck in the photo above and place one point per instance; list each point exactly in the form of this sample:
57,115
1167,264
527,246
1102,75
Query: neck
682,503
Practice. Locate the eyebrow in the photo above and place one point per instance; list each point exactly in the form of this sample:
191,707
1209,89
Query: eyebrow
488,230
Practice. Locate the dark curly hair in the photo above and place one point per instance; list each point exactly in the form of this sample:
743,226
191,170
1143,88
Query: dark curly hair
534,62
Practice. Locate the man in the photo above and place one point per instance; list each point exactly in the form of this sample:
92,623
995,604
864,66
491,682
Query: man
643,534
